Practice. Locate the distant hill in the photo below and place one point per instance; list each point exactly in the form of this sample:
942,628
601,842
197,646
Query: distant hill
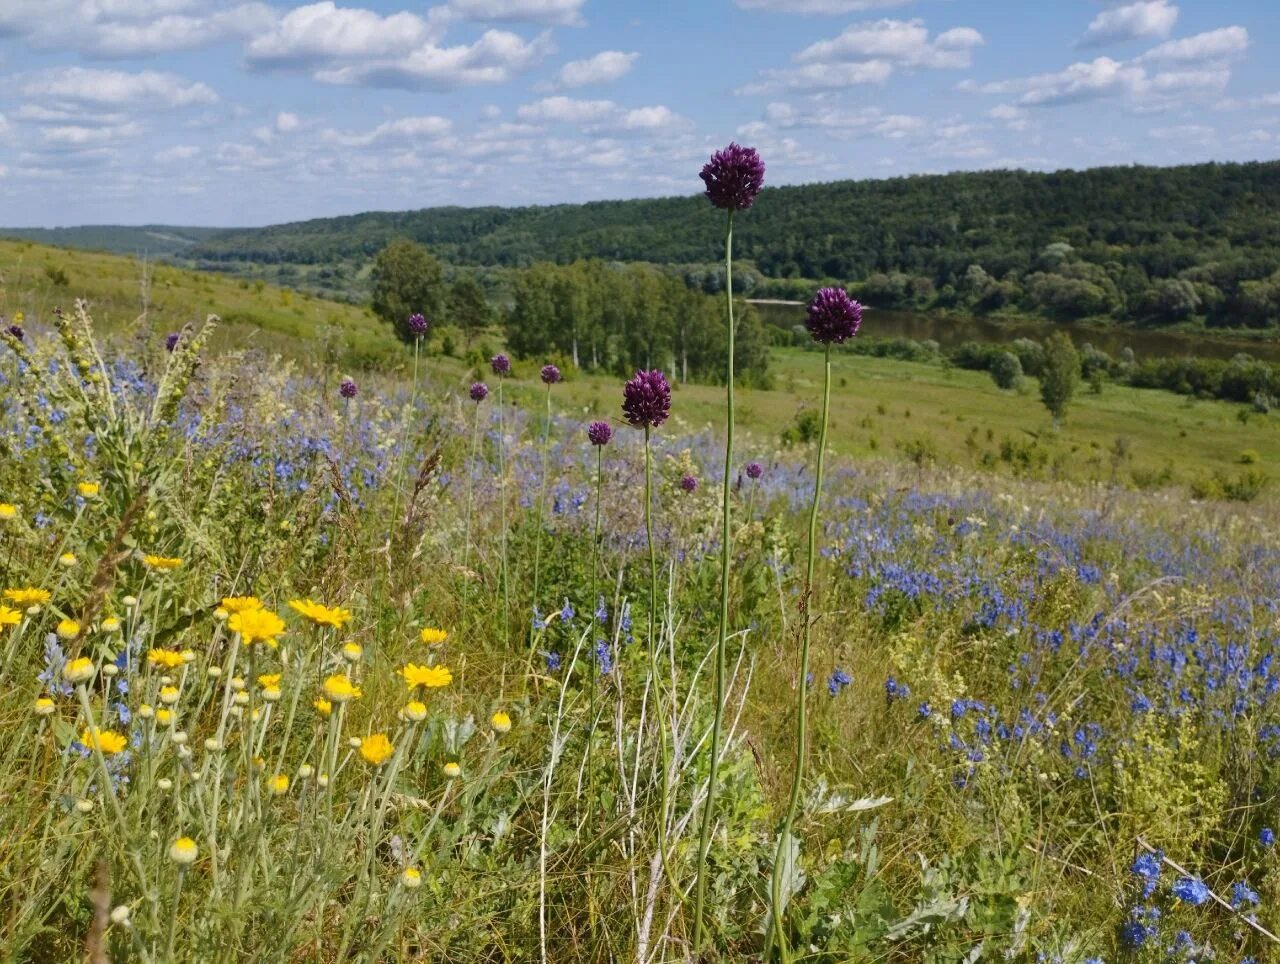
158,240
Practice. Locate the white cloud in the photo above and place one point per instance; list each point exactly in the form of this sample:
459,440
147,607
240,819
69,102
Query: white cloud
826,7
1148,18
552,12
87,86
820,77
1104,77
179,152
603,68
848,123
321,33
594,115
495,58
175,32
1221,44
78,135
868,53
1184,133
901,42
286,122
404,130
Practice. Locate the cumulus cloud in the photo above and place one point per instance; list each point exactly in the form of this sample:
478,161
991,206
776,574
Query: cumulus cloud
88,86
179,152
848,123
1134,21
603,68
1105,77
868,53
551,12
900,42
597,115
355,46
1222,44
403,130
821,7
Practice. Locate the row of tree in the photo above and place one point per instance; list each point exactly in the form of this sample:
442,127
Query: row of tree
595,315
1158,245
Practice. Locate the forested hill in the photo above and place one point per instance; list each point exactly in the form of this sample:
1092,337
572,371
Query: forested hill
1168,244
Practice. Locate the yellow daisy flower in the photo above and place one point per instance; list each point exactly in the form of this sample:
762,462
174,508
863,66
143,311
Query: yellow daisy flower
183,851
166,658
323,706
8,512
256,625
278,784
108,741
9,617
162,563
79,670
240,604
340,689
88,490
321,615
376,749
30,596
68,629
428,676
432,636
500,722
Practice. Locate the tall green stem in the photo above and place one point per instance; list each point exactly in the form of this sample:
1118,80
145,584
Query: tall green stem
502,497
542,499
717,726
802,732
471,484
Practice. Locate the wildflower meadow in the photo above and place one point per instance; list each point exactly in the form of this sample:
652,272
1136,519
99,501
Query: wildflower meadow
302,664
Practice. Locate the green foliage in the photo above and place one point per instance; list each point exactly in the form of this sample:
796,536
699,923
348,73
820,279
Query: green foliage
1162,245
407,280
1060,376
1006,371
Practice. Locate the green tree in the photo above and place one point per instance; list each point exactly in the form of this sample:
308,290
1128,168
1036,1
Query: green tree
1060,376
468,308
1006,370
406,279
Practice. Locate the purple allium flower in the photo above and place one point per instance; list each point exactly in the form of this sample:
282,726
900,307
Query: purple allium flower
754,470
733,177
689,483
646,399
348,388
418,325
479,391
550,374
500,364
599,433
171,340
834,317
17,332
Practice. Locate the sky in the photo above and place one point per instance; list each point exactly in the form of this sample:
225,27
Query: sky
241,112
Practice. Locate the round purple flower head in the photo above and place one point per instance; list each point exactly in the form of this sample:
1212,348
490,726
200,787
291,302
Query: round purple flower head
348,388
754,470
834,317
646,399
418,325
733,177
689,483
171,340
17,332
500,364
550,374
599,433
479,391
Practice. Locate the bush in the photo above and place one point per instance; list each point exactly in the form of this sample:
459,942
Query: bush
1006,371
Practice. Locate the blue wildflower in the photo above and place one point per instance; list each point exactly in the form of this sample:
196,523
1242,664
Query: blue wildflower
1267,837
838,680
1242,894
604,658
1191,890
553,662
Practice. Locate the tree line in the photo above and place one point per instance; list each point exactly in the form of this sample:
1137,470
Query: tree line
592,314
1196,244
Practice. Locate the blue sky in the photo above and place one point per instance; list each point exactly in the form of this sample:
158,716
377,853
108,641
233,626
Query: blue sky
242,112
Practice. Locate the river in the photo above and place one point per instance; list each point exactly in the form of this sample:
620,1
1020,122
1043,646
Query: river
951,330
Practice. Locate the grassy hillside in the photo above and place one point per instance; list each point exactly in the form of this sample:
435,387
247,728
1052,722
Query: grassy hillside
153,240
884,408
37,278
1190,245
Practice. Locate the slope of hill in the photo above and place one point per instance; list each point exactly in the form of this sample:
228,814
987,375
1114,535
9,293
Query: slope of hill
1197,244
153,240
34,279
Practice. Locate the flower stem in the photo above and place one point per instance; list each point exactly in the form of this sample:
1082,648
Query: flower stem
502,498
717,726
802,733
471,484
542,499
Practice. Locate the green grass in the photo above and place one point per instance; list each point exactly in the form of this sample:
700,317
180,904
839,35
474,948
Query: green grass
950,416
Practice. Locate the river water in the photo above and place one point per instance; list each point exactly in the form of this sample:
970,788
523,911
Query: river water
951,330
